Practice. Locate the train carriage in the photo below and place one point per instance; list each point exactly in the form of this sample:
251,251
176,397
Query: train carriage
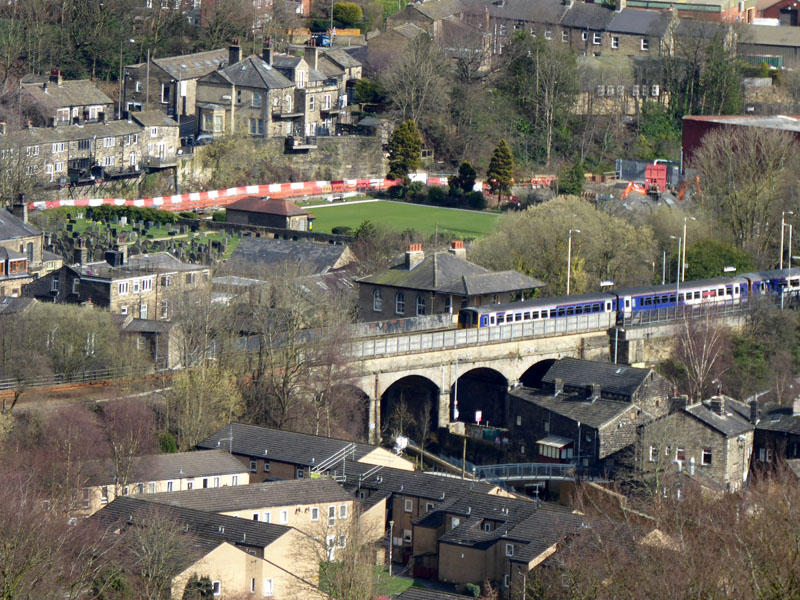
537,310
720,290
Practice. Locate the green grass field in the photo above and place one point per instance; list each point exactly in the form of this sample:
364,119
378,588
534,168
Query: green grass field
400,217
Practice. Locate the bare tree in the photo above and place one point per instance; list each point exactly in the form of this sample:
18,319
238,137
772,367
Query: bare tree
129,427
702,347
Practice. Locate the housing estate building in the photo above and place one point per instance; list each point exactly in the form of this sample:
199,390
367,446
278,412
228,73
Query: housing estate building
274,454
439,283
240,557
54,102
156,473
141,285
20,250
269,212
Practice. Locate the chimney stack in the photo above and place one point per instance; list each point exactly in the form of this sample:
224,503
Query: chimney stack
621,5
55,77
754,411
595,392
457,249
717,405
266,51
414,255
314,58
559,386
677,403
81,252
234,52
20,208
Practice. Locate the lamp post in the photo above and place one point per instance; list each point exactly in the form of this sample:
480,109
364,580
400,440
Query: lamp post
683,258
119,109
569,255
678,279
391,544
790,244
783,225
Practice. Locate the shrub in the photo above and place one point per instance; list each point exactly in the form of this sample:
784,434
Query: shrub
437,196
416,192
475,200
218,216
185,214
342,230
167,443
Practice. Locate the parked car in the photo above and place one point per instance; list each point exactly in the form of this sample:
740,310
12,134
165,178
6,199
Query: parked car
322,40
203,139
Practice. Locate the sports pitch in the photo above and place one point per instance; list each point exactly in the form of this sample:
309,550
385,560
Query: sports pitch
401,216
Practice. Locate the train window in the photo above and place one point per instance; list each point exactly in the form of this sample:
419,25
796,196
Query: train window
795,282
570,311
664,299
552,313
672,297
501,319
491,320
579,310
697,295
561,312
729,291
680,297
535,314
527,316
608,305
518,317
721,291
646,301
627,303
595,308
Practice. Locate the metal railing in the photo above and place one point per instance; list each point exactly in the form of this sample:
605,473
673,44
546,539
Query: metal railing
526,471
454,338
81,377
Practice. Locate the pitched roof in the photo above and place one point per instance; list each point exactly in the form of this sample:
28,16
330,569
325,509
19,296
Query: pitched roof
204,524
11,306
639,22
139,264
540,11
766,35
576,407
447,273
283,446
69,133
78,92
318,258
192,66
439,9
731,422
159,467
779,418
613,379
341,58
268,206
409,31
12,227
153,118
255,72
417,593
587,16
242,497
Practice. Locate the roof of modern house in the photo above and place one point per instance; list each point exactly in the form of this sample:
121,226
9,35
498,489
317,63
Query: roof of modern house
635,21
615,379
12,227
78,92
208,525
179,465
784,122
576,407
282,446
257,495
587,16
446,273
732,421
254,72
317,258
192,66
268,206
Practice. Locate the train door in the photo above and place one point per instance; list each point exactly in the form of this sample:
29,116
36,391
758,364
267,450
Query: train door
626,305
484,320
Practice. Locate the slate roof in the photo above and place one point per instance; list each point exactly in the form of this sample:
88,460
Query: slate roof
268,206
767,35
439,9
318,258
342,58
153,118
541,11
587,16
730,423
779,418
417,593
12,306
575,407
614,379
282,446
12,227
139,264
639,22
192,66
409,31
69,133
159,467
257,495
78,92
443,272
207,525
254,72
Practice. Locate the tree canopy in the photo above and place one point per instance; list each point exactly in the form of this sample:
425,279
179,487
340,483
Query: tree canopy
501,169
405,148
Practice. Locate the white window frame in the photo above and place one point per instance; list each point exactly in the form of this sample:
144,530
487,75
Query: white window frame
408,505
216,482
234,480
252,585
584,36
311,103
509,549
267,517
597,38
400,303
269,587
653,454
266,466
548,35
645,44
216,588
284,517
407,536
315,513
343,511
703,453
253,466
377,300
123,289
565,36
615,42
331,515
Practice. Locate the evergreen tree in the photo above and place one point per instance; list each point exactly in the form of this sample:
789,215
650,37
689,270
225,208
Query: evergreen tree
501,169
405,148
571,179
464,182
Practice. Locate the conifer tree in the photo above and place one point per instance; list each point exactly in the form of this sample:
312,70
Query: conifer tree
501,170
405,148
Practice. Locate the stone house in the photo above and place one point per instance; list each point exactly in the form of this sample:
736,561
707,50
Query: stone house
258,255
156,473
162,338
172,82
640,33
338,64
273,454
388,45
711,439
59,103
95,152
268,212
141,286
428,16
20,250
439,283
239,556
777,432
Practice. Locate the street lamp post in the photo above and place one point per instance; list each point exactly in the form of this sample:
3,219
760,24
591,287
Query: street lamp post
119,109
790,245
391,544
569,255
683,258
783,225
678,279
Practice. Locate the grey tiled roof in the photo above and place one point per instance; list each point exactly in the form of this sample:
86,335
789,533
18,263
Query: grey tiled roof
203,524
576,407
342,58
159,467
79,92
587,16
282,446
779,418
12,227
319,258
153,118
254,72
539,11
639,22
12,306
730,423
447,273
256,495
613,379
439,9
192,66
138,264
69,133
417,593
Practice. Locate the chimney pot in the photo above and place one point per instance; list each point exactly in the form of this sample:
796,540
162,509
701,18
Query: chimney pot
754,411
414,255
717,405
457,249
234,52
55,77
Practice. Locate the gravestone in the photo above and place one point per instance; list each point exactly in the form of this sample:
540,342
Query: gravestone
123,221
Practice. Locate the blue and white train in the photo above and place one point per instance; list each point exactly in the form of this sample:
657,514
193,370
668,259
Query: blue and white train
627,303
